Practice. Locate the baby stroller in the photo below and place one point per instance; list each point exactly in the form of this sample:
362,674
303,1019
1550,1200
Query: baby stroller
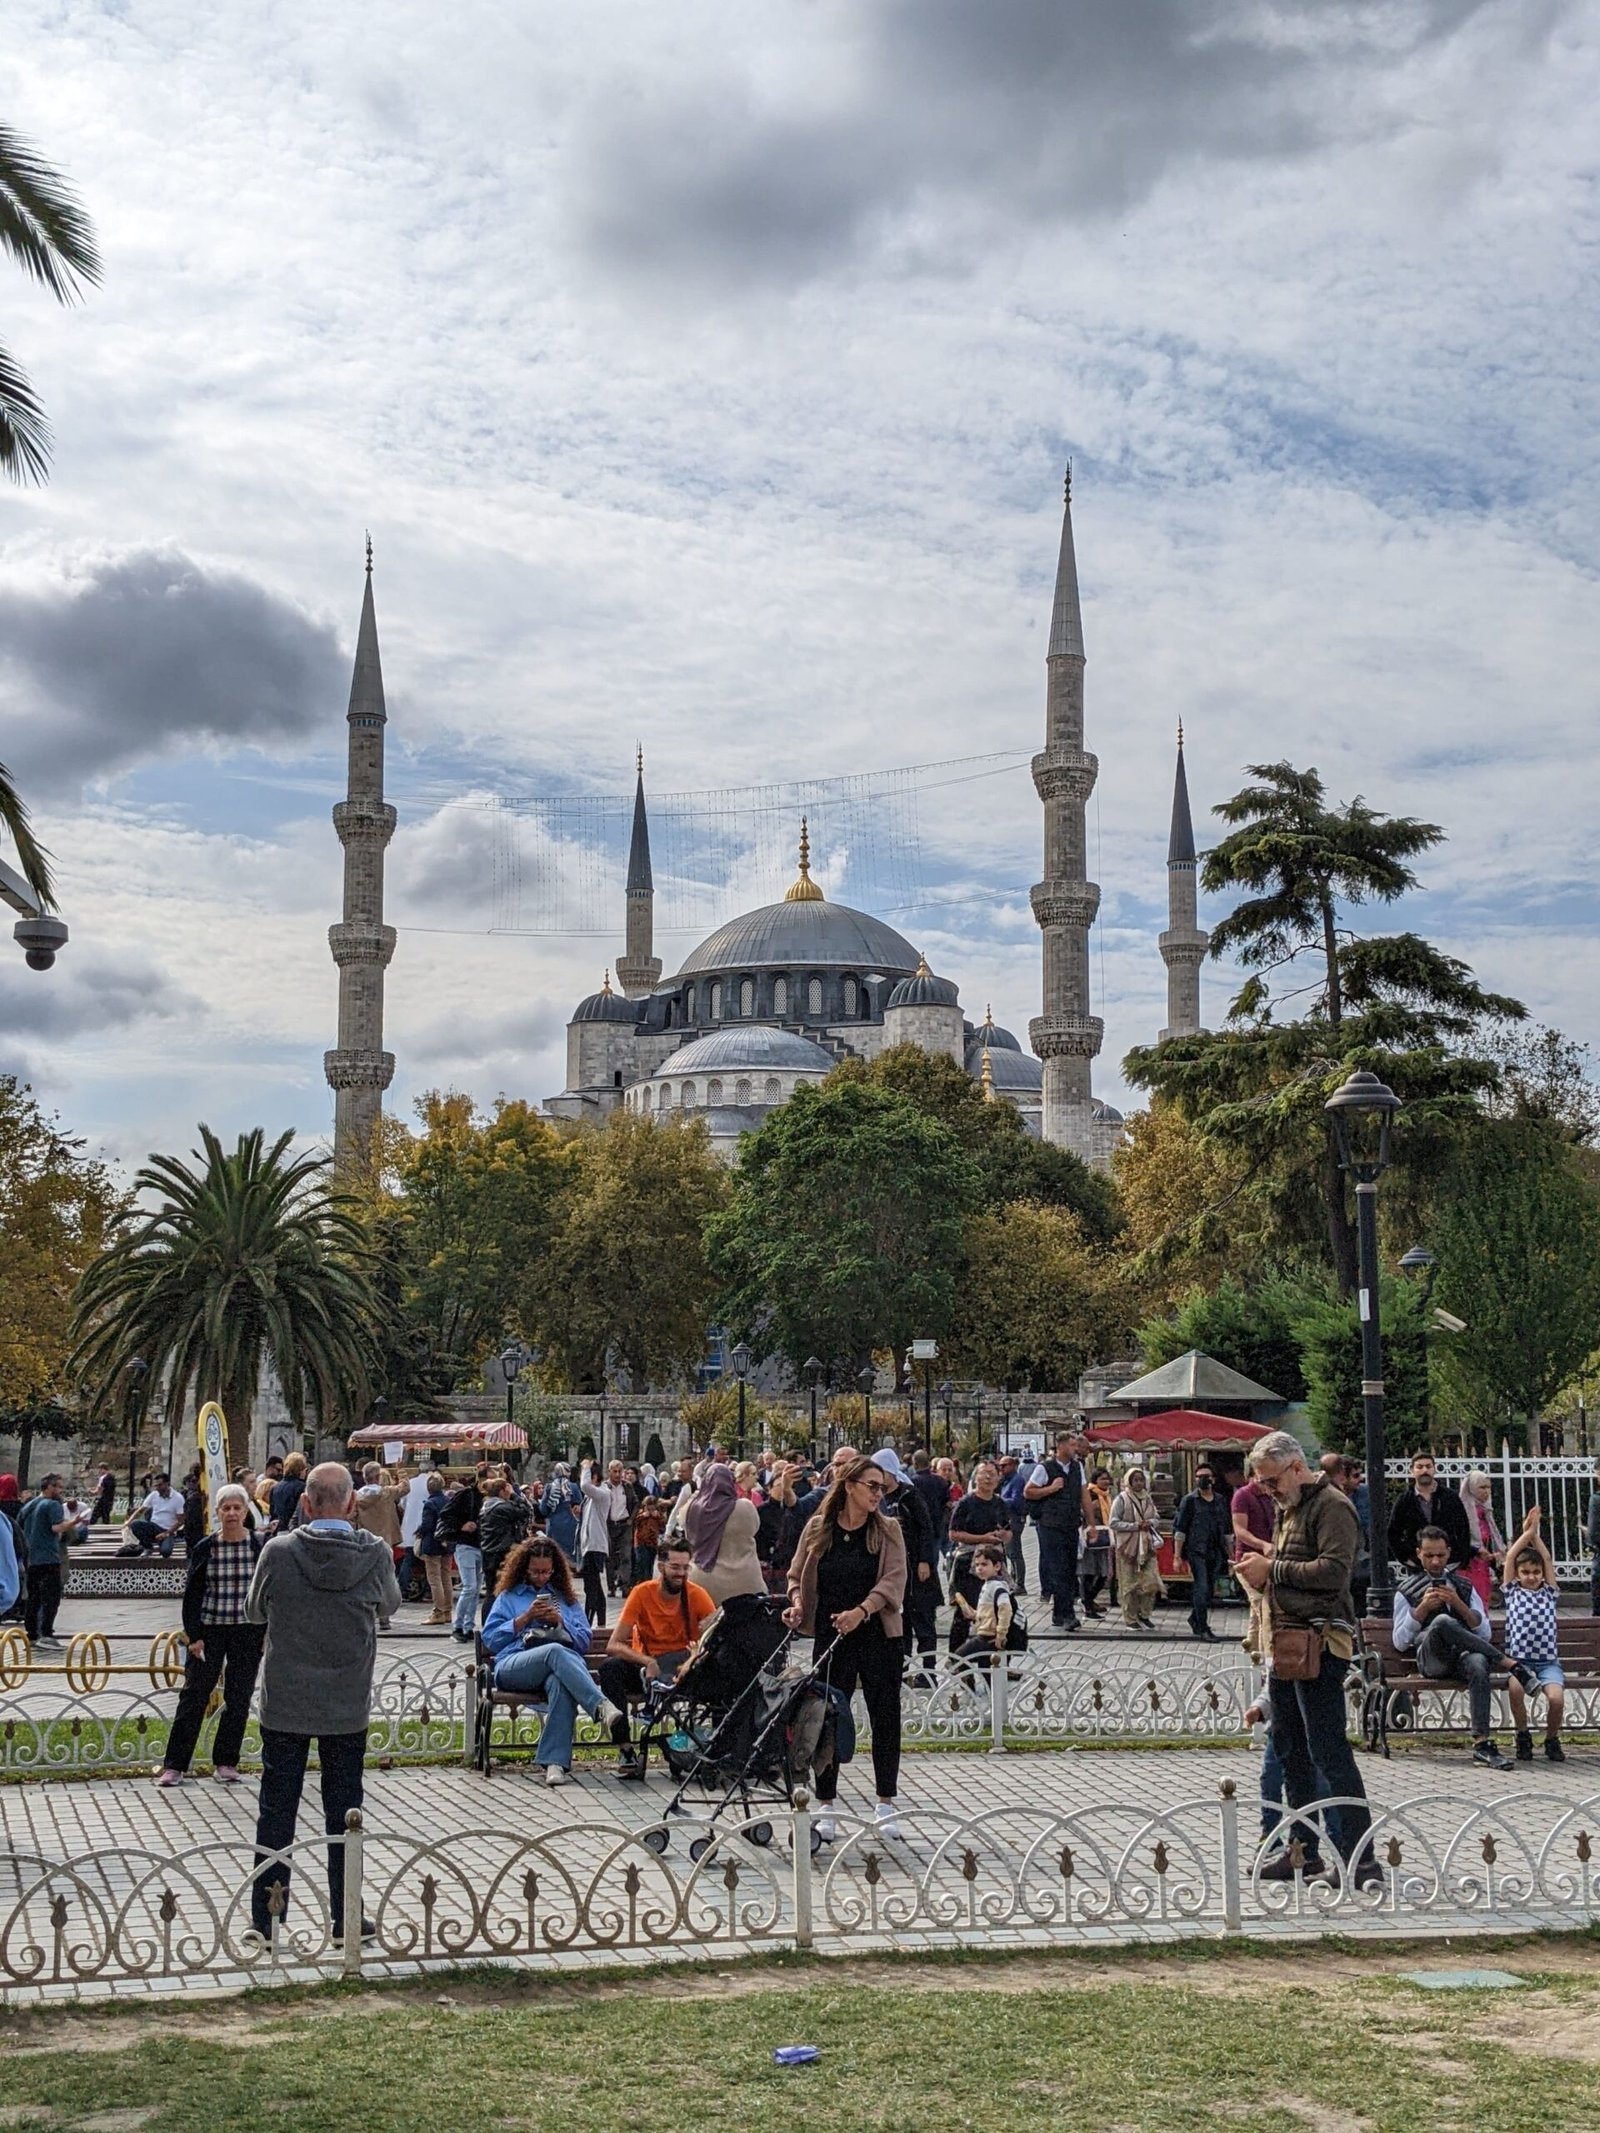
738,1724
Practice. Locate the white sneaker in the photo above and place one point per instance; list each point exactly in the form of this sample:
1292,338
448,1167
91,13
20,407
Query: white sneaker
883,1818
555,1775
826,1828
609,1715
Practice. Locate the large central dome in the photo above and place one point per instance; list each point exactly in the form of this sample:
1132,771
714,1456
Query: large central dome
808,935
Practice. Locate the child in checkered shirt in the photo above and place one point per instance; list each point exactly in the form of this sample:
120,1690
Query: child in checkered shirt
1531,1593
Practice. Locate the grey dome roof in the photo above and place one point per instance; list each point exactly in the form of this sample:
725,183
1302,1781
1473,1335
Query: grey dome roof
795,935
1106,1115
1018,1071
923,989
755,1044
606,1006
991,1034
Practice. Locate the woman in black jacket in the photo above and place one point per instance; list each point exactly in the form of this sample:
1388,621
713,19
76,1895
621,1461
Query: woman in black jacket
505,1521
222,1644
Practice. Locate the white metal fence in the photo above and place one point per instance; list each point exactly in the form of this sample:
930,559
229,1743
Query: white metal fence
1561,1488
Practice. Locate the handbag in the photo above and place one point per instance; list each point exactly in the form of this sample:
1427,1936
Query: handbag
538,1635
1296,1651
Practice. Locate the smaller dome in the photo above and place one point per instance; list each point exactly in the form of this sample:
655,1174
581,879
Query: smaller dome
605,1006
923,989
1013,1072
988,1032
757,1045
1104,1115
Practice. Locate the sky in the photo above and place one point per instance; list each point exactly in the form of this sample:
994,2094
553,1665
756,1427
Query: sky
705,375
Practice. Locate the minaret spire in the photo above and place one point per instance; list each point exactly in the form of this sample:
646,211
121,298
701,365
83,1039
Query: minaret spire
639,970
1183,945
359,1069
1066,1036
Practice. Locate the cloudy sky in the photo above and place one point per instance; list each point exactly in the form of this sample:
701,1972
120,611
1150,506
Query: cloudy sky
705,374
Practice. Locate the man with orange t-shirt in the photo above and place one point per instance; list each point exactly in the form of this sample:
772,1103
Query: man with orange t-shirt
658,1627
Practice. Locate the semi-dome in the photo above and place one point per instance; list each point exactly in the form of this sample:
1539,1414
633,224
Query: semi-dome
606,1006
923,989
1009,1070
752,1044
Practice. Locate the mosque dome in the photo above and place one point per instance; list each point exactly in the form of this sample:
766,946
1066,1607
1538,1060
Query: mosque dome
923,989
752,1044
1013,1073
606,1006
1105,1114
988,1032
804,931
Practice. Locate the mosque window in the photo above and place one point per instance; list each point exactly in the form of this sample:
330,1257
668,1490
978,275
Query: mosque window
747,996
663,1095
616,1078
741,1092
686,1096
814,997
688,1005
773,1092
780,996
716,1001
849,996
713,1092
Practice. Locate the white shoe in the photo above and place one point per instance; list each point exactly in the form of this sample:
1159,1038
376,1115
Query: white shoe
608,1715
555,1775
884,1821
826,1828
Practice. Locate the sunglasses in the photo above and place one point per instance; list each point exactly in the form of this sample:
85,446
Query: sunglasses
873,1488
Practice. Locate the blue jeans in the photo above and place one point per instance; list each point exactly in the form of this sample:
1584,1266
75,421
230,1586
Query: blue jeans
469,1562
1308,1732
1203,1585
149,1535
562,1678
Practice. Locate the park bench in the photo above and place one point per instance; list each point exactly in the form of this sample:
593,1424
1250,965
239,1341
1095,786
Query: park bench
1389,1677
490,1699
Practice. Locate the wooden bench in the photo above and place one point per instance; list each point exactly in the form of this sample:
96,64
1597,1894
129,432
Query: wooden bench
1386,1674
490,1699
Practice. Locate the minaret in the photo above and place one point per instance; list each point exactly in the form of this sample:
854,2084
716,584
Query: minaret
1183,945
360,1069
639,970
1066,1036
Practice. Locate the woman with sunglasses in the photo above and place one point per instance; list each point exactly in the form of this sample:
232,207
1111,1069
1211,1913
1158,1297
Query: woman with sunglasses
847,1586
537,1634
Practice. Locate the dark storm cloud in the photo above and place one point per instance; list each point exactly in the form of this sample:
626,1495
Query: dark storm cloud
1032,110
144,651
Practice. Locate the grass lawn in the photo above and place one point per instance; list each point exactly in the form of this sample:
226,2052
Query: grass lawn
1324,2040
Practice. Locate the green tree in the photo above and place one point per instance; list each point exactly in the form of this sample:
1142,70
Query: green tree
57,1208
1187,1217
844,1233
1330,1358
1038,1301
47,233
624,1278
1010,1163
1253,1328
250,1260
1549,1078
1517,1244
1392,1003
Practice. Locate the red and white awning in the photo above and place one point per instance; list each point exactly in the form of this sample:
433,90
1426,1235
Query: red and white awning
438,1436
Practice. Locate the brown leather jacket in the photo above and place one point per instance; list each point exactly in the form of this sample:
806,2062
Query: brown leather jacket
1315,1544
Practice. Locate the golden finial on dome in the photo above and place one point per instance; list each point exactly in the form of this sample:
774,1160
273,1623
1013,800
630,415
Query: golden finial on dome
986,1077
922,965
605,989
805,890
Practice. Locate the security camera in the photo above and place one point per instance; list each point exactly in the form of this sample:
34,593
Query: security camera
1447,1322
40,939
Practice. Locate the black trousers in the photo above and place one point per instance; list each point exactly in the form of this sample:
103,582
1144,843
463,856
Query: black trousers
236,1649
869,1657
619,1556
44,1597
968,1587
283,1777
594,1584
1014,1556
1308,1722
921,1613
1058,1571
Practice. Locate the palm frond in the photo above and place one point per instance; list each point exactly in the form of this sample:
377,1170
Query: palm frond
43,226
25,435
31,855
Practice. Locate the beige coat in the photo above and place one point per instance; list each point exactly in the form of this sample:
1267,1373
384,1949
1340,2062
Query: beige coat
736,1568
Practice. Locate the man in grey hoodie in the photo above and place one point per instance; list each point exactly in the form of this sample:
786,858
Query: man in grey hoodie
322,1589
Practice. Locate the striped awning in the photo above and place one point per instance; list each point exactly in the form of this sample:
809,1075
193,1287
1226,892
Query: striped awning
422,1436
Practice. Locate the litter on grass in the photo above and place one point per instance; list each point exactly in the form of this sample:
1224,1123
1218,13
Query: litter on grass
796,2054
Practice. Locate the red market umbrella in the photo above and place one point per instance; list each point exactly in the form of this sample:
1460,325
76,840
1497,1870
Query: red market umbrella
1183,1429
420,1436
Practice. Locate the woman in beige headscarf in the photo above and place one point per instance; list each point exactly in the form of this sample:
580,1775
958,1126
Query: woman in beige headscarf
1488,1542
1135,1540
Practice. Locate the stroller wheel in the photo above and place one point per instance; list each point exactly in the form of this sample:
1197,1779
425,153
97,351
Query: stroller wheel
816,1841
657,1840
760,1833
698,1847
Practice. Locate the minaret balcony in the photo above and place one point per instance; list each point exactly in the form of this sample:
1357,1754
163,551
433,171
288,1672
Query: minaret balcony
1065,774
360,943
1184,945
364,821
358,1070
638,975
1066,1036
1065,903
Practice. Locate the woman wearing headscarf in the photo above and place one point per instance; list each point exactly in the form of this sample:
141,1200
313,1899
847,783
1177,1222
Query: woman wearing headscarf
1135,1540
1488,1542
847,1587
561,1506
720,1526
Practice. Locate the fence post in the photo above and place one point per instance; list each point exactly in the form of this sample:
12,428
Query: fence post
469,1717
1230,1858
354,1844
1512,1522
999,1683
800,1832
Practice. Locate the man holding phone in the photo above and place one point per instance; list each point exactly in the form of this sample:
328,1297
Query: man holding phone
658,1627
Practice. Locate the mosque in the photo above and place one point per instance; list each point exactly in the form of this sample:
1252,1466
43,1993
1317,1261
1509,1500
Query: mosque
776,998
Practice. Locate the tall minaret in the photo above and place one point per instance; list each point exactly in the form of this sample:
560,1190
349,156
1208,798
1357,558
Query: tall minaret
1066,1036
360,1069
639,971
1183,945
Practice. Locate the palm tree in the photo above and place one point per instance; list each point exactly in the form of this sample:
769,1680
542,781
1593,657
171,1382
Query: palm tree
250,1258
32,856
50,237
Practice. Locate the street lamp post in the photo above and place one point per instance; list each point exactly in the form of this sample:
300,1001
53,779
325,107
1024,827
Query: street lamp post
740,1359
513,1360
866,1378
138,1371
946,1394
1005,1427
979,1395
1419,1262
813,1367
1362,1111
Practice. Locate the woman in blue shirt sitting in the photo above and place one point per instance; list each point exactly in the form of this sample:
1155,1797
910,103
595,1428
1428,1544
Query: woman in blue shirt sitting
538,1634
